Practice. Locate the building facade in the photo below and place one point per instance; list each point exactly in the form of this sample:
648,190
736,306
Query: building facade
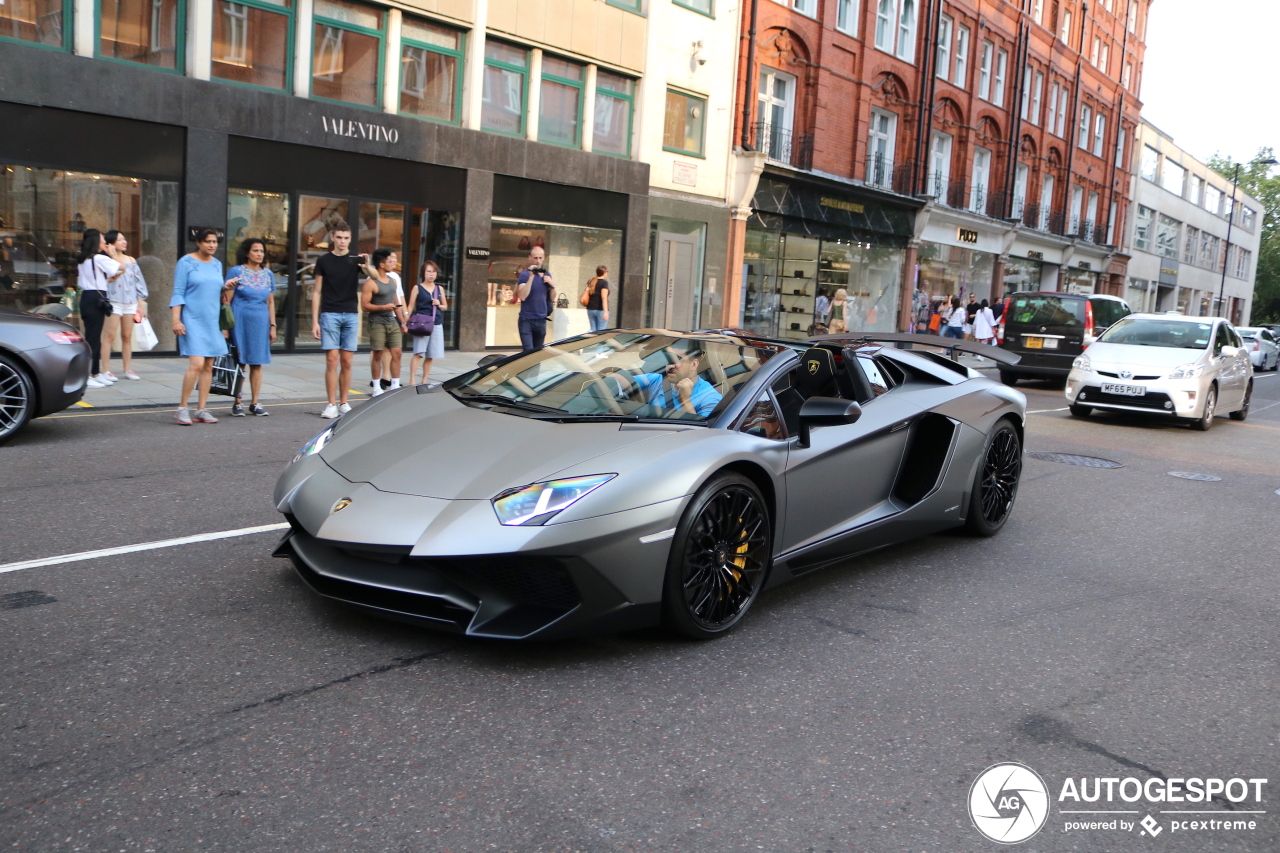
914,151
1185,231
460,131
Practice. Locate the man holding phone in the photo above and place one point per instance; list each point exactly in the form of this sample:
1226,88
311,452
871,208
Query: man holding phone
537,294
335,317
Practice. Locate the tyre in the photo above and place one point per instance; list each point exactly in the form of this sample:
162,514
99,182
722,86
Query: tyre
996,485
1009,379
1080,411
720,558
17,398
1243,412
1205,420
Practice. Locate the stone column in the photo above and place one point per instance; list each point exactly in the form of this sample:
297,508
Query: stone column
391,63
906,305
200,39
635,257
534,100
589,108
302,48
473,290
473,69
997,278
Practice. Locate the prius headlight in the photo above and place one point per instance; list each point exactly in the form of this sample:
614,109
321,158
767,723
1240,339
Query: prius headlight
316,444
1187,371
1082,363
537,503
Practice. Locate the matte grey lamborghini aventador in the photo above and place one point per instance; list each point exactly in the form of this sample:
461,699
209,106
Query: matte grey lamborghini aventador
631,478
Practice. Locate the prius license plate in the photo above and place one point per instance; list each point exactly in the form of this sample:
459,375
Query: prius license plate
1125,390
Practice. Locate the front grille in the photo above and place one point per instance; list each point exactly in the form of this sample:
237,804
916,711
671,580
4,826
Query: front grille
1150,400
1131,378
535,581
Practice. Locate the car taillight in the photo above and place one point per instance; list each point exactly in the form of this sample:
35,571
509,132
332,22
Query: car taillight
65,337
1256,345
1088,319
1000,333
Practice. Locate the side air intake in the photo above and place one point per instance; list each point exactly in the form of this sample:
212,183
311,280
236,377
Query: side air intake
927,453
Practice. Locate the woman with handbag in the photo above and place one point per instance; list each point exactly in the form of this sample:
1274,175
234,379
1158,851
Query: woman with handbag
838,308
253,304
96,272
128,295
596,300
426,321
196,307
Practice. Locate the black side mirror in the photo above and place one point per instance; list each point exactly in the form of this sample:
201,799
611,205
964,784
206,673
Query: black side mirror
826,411
490,359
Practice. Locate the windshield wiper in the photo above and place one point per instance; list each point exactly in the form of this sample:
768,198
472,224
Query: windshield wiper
499,400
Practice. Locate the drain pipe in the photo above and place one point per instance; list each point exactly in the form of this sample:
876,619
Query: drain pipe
747,78
928,89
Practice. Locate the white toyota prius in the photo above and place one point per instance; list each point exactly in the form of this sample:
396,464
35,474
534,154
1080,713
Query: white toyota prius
1189,368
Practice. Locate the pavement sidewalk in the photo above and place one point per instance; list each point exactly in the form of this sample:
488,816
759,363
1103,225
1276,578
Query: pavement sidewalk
288,378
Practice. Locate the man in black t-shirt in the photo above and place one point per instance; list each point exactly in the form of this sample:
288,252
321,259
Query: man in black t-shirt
335,315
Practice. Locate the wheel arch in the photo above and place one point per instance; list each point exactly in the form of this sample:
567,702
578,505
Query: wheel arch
763,481
20,358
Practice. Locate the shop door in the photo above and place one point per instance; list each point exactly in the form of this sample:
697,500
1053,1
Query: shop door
674,280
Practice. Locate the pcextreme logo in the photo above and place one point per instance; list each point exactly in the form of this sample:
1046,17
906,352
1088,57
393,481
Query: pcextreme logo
1009,803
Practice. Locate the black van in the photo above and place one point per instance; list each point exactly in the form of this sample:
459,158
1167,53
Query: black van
1048,330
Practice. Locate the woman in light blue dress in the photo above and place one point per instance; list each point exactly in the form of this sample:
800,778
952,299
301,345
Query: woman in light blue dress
196,304
254,305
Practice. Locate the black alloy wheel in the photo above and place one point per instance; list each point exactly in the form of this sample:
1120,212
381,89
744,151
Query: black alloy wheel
720,557
17,398
996,485
1202,423
1243,411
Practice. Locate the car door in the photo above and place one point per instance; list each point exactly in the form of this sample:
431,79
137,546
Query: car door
1232,373
842,480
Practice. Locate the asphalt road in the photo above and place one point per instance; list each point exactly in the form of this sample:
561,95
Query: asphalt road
201,698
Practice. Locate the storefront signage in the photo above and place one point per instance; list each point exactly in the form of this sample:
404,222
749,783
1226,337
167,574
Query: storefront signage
1085,265
477,253
841,204
359,130
1168,272
193,230
685,174
1035,256
966,235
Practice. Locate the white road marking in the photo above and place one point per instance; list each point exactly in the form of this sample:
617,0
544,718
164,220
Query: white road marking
1042,411
1268,376
144,546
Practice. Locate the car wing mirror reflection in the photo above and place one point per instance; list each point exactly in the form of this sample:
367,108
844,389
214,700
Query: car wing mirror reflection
826,411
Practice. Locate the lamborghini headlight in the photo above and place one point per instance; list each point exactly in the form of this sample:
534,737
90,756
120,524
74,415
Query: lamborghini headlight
537,503
1187,371
316,444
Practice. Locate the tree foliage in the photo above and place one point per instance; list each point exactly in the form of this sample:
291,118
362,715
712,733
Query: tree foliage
1257,181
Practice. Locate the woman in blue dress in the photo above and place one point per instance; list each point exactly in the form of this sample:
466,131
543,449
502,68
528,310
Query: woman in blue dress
196,304
254,305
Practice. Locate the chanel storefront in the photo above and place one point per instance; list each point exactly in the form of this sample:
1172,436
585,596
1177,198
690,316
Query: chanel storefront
161,155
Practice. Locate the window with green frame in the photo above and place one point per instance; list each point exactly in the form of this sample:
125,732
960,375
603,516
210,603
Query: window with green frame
39,22
502,103
615,104
149,32
431,59
560,102
346,52
702,7
252,42
636,6
683,129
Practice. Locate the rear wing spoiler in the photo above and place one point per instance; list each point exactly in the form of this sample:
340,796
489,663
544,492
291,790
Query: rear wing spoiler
952,345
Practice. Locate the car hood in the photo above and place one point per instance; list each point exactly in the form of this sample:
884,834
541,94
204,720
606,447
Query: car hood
1128,355
433,446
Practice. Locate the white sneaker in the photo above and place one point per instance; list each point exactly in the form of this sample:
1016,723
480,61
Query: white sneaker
330,411
129,374
109,377
95,382
377,391
344,408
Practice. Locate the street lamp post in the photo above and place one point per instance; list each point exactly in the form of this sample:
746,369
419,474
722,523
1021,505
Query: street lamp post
1231,218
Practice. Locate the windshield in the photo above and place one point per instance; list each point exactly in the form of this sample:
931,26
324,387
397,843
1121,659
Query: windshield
1173,334
1046,310
621,375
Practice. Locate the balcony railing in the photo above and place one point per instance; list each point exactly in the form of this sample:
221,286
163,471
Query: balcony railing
783,146
888,175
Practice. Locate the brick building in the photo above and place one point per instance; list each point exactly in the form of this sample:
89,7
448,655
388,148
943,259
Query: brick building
908,151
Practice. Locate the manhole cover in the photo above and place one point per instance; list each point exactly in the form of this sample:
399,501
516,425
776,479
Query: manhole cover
1204,478
1073,459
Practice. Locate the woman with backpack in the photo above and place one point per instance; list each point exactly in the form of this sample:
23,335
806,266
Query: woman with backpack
427,304
596,300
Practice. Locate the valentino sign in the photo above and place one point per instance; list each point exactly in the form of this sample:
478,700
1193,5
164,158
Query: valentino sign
360,130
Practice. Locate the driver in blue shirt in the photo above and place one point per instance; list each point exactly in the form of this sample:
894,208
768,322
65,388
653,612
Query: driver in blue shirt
677,387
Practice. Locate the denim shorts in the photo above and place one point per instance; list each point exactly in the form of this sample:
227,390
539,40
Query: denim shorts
339,331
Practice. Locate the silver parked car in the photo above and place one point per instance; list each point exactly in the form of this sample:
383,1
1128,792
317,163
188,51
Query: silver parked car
623,479
1189,368
1263,347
